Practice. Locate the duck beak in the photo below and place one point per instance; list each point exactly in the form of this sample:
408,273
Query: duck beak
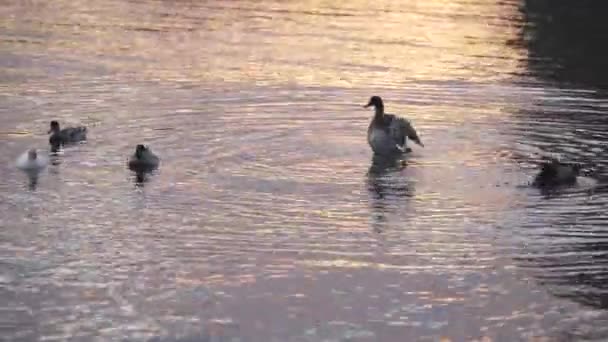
367,105
419,142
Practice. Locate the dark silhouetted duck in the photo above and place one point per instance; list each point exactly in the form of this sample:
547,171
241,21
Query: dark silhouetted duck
555,173
143,159
387,133
60,137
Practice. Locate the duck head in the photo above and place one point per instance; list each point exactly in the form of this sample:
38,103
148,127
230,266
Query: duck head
139,151
375,101
32,154
54,127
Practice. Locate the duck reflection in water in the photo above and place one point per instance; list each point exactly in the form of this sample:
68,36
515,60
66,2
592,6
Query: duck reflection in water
387,186
32,182
141,178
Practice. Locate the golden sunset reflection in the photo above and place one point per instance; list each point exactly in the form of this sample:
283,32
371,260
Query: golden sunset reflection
310,43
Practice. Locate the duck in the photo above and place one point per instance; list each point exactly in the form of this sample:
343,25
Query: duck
555,173
32,161
387,134
60,137
143,159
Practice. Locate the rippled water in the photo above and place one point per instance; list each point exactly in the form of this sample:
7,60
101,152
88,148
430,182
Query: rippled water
267,220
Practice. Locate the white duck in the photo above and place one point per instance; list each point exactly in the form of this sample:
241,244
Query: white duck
32,162
387,133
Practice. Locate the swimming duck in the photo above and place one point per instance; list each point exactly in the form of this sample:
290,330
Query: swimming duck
387,133
556,173
60,137
143,159
32,161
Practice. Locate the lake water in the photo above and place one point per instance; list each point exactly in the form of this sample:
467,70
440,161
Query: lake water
267,221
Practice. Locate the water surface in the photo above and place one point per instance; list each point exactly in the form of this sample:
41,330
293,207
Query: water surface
267,220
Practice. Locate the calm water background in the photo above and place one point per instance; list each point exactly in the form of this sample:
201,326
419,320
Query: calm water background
266,221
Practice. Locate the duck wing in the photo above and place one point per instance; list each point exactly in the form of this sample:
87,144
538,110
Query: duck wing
401,128
150,158
75,133
146,162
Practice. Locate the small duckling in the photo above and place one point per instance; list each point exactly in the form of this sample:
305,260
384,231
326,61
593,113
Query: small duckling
32,162
387,134
554,173
143,159
60,137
